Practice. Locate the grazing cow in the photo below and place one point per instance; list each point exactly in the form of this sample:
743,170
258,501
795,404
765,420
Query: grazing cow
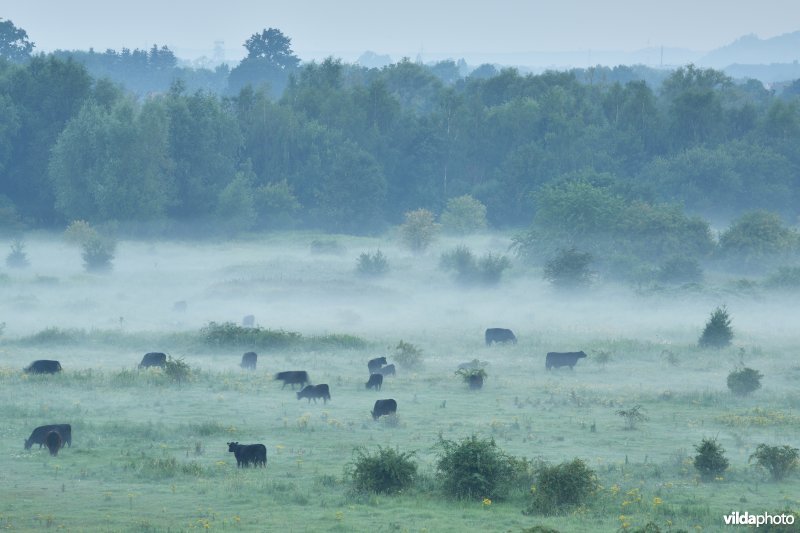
53,441
293,377
249,321
180,307
499,335
312,392
375,381
558,359
384,407
388,370
375,365
43,366
249,360
39,435
248,453
154,359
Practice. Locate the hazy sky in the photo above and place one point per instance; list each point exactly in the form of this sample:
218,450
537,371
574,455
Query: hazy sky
346,28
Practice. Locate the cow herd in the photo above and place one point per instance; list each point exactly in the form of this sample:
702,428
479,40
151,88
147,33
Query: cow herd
56,436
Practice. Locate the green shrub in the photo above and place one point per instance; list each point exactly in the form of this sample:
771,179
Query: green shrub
757,238
487,270
17,258
386,471
407,355
569,269
418,229
680,270
564,485
98,252
710,460
779,461
632,416
177,370
474,377
80,232
476,468
718,332
372,265
464,215
743,382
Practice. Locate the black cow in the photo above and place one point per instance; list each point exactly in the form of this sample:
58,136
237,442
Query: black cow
249,321
43,366
312,392
388,370
248,453
384,407
558,359
375,365
375,381
39,435
499,335
154,359
249,360
293,377
53,441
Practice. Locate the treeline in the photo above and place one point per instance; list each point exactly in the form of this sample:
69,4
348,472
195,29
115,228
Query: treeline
350,149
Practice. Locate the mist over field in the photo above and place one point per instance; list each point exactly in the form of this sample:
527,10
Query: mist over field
583,282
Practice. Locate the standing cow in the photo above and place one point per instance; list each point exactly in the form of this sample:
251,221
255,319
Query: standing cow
249,360
312,392
43,366
499,335
293,377
388,370
559,359
375,365
375,381
39,435
158,359
384,407
54,443
248,453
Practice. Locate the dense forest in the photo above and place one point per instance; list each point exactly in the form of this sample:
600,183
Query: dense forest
584,157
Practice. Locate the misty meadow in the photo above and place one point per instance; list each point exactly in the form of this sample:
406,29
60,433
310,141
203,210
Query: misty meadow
583,284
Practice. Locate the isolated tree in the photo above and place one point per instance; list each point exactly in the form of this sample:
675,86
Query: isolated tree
14,43
271,44
718,332
269,60
419,229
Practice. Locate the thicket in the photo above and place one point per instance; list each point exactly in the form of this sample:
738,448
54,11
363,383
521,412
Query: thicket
561,486
385,471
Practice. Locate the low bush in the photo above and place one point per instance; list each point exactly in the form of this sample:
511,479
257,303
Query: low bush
97,254
464,215
779,461
469,269
177,370
632,416
407,355
710,460
386,471
743,382
419,229
372,265
17,258
560,486
476,468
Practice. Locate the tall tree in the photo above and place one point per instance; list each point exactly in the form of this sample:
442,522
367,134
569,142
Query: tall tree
14,43
270,60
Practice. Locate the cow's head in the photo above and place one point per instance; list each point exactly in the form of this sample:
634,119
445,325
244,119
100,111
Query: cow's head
28,444
581,355
232,446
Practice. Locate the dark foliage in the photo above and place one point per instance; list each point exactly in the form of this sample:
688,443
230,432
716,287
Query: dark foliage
710,460
561,486
718,332
744,381
386,471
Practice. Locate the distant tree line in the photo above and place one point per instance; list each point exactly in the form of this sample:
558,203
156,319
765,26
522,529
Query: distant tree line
350,149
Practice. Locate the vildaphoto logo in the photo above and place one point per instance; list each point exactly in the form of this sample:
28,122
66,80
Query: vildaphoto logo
746,519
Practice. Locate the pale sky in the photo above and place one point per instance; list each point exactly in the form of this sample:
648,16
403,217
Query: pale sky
346,28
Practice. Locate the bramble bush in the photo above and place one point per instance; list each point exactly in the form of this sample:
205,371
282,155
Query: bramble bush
779,461
559,486
710,460
743,382
476,468
386,471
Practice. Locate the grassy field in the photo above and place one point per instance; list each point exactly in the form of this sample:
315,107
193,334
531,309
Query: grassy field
149,454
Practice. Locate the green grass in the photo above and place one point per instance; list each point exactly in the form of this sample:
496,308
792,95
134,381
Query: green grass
149,454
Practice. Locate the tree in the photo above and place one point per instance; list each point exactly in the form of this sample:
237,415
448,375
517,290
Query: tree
419,229
463,215
718,332
271,44
14,43
757,237
710,460
236,210
569,269
269,60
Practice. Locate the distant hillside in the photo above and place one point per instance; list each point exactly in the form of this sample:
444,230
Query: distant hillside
751,50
